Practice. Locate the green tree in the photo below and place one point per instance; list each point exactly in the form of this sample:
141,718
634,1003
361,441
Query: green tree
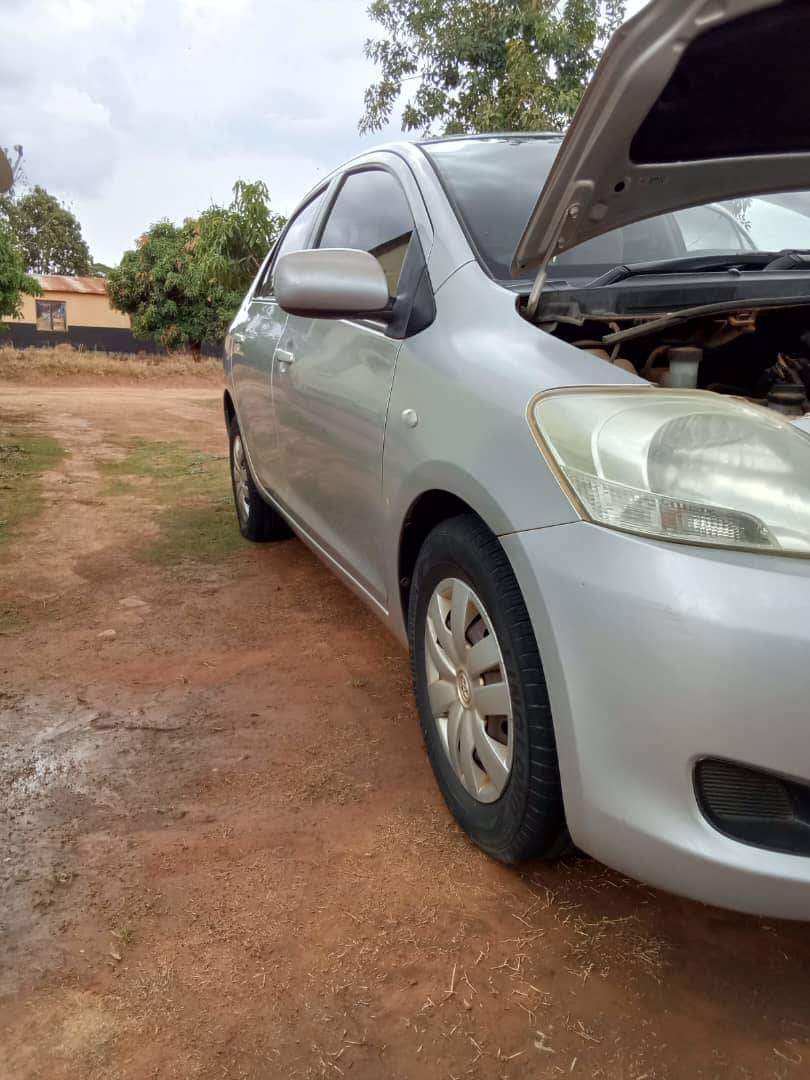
46,233
13,279
157,285
234,240
181,285
485,65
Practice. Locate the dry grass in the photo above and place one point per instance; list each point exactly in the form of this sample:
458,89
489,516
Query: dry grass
64,360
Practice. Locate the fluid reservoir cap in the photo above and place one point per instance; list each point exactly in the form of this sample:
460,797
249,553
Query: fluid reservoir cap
686,352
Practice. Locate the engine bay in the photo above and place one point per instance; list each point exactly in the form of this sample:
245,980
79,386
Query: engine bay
759,354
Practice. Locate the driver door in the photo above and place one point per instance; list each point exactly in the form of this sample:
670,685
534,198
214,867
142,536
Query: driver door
331,385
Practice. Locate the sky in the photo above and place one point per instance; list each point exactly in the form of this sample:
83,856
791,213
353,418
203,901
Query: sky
135,110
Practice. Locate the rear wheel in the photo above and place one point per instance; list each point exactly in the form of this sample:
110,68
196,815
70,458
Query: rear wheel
257,520
482,696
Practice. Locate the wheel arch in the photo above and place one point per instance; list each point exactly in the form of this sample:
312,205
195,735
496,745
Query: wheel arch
425,512
228,407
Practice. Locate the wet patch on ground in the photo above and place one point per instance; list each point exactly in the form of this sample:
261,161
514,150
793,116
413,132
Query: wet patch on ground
224,854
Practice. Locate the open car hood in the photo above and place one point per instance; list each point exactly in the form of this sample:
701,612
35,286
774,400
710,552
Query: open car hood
694,101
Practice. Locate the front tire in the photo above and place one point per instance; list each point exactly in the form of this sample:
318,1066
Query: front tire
482,696
257,521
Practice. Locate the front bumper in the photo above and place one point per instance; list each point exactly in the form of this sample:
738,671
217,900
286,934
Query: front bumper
657,655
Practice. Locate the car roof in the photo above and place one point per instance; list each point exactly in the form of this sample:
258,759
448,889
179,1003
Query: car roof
488,136
414,149
406,146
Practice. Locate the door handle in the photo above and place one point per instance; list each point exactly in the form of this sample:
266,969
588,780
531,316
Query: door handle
284,356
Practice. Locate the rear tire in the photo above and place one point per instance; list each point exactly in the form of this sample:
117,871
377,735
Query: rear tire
485,714
257,521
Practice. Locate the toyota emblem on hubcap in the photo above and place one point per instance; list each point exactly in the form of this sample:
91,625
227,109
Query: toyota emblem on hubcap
464,689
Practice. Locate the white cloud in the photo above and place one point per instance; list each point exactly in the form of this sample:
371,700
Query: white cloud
76,143
69,105
80,16
208,17
133,110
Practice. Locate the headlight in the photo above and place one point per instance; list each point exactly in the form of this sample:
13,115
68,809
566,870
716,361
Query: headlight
680,465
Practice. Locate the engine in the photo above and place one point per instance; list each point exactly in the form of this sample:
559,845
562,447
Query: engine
760,355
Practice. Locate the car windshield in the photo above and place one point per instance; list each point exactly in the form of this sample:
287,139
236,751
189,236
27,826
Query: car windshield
493,184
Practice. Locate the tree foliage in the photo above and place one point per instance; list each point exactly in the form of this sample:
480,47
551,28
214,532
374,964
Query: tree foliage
181,285
47,234
234,240
156,285
485,65
13,279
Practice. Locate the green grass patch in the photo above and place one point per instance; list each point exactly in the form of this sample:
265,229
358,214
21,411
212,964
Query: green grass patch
197,520
12,620
24,457
173,468
200,532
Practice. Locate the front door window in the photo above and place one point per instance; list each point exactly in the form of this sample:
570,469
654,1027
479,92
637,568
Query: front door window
371,214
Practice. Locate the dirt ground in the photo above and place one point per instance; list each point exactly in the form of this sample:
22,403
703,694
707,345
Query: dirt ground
222,853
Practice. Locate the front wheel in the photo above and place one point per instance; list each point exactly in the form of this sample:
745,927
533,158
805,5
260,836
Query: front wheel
482,696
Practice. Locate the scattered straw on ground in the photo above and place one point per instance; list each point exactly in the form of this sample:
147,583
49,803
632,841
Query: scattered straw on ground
66,361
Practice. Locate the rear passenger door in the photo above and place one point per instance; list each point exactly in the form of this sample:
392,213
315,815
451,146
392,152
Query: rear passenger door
255,339
331,384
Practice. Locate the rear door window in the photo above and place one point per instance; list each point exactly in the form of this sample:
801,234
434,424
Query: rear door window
372,214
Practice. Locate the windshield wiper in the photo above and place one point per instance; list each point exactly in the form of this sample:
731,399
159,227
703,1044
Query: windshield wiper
792,259
706,264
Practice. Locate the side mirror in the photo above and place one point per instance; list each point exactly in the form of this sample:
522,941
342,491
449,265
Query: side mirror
331,283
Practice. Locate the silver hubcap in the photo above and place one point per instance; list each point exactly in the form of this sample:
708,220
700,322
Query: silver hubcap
468,690
240,479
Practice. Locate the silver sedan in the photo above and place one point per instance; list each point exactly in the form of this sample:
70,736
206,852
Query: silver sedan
541,403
